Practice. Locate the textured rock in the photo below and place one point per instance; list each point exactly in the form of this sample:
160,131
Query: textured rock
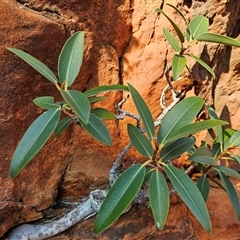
124,43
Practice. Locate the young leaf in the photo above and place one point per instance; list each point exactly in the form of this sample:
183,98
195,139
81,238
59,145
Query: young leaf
119,197
176,28
216,38
198,25
143,111
228,171
201,62
235,140
203,187
178,64
62,125
159,198
33,140
190,194
97,129
96,90
103,113
46,102
70,59
36,64
140,141
231,192
176,148
180,115
78,102
172,40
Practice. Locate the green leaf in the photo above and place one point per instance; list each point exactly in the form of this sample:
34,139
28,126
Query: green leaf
216,38
36,64
119,197
97,129
204,156
203,187
70,58
62,125
46,102
231,192
228,171
95,99
33,140
159,198
194,128
198,25
143,111
176,148
96,90
172,40
176,28
190,194
140,141
235,140
227,135
103,113
235,158
78,102
180,115
201,62
178,64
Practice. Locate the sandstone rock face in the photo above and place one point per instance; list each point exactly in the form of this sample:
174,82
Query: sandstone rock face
123,43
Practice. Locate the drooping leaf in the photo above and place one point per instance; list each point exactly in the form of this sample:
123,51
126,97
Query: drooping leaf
78,102
96,90
143,111
70,59
159,198
176,148
201,62
36,64
203,186
204,156
216,38
228,171
95,99
46,102
33,140
198,25
180,115
103,113
178,64
176,28
62,125
235,140
96,128
231,192
172,40
235,158
190,194
140,141
119,197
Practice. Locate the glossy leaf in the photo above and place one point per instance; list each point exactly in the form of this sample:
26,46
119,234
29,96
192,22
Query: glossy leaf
119,197
46,102
96,90
36,64
96,128
176,28
216,38
204,156
172,40
198,25
235,140
78,102
203,186
190,194
143,111
202,63
228,171
70,59
33,140
178,64
159,198
180,115
176,148
231,192
62,125
103,113
194,128
140,141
